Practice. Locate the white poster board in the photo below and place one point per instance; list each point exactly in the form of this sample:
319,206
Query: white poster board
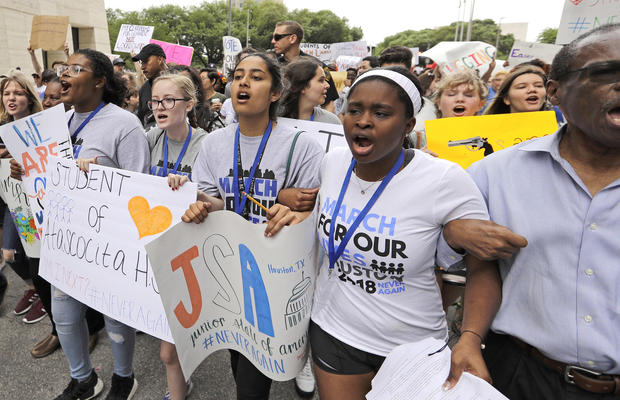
96,226
452,56
16,200
527,51
132,38
31,141
345,62
224,285
329,136
232,47
330,52
580,16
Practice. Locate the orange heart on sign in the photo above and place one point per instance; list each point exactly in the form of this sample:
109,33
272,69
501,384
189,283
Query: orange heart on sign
149,221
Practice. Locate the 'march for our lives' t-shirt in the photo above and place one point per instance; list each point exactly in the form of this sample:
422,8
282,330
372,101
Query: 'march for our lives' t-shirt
383,292
213,169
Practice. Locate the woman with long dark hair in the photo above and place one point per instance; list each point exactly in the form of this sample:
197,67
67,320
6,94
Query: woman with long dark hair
102,133
305,91
257,147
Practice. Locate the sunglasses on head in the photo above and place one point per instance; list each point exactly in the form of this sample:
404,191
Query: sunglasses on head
279,36
603,72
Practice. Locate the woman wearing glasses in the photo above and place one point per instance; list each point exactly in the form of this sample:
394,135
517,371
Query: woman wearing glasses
102,133
174,145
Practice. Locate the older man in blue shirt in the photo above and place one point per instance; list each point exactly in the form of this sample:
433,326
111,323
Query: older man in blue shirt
554,307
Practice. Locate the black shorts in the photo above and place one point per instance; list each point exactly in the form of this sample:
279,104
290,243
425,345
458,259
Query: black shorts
336,357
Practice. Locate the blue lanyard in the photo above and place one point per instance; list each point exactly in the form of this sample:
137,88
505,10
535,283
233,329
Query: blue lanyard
334,255
183,150
238,184
312,116
87,120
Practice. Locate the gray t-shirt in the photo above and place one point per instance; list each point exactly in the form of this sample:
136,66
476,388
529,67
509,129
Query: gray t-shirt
321,115
114,136
155,137
213,169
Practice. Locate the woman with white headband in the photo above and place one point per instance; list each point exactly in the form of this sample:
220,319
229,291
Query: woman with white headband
381,210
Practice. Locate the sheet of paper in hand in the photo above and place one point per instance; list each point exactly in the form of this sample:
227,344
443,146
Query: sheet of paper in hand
31,141
96,226
417,371
225,285
17,201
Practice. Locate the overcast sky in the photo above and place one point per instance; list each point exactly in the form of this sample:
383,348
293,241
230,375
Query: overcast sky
382,18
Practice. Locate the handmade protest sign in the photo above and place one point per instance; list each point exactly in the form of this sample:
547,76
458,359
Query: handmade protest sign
580,16
452,56
232,47
16,200
329,136
330,52
96,225
345,62
49,32
465,140
224,285
132,38
526,51
31,141
175,53
322,51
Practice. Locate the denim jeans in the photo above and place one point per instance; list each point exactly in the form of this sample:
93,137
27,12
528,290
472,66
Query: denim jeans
69,316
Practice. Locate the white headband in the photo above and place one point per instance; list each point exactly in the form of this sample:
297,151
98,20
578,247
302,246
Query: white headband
401,81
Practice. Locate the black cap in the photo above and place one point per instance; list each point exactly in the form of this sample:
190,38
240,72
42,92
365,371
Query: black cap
150,49
118,61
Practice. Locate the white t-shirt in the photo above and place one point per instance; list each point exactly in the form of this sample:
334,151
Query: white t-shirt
383,292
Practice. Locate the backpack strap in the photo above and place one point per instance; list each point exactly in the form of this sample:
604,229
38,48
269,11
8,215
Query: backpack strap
290,157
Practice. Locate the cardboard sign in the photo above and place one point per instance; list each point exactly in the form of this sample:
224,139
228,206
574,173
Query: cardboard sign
465,140
16,200
31,141
329,136
132,38
452,56
224,285
96,226
232,47
526,51
49,32
580,16
175,53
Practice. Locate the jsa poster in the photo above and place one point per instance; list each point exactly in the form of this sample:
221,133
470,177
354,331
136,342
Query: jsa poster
224,285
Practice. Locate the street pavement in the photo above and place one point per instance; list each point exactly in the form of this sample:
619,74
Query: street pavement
23,377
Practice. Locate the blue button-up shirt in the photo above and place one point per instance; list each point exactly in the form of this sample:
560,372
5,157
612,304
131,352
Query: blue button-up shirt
561,294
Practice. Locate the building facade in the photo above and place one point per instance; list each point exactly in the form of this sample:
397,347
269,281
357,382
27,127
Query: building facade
88,27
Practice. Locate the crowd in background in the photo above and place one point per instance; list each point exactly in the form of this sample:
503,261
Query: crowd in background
195,112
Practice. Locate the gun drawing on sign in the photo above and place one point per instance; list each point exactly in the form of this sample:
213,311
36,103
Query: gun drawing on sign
476,143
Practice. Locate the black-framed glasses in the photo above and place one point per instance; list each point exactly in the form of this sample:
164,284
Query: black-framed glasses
278,36
72,70
602,72
168,103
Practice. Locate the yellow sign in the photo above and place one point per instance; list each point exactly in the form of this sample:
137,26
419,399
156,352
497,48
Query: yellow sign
465,140
49,32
